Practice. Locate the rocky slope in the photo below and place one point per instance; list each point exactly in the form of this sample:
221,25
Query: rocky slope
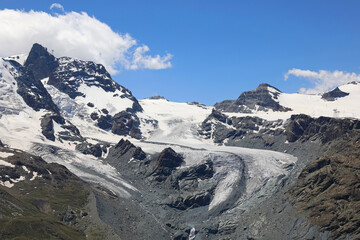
42,200
327,189
263,97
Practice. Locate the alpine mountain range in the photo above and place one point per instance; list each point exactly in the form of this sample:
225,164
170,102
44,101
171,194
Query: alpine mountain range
82,158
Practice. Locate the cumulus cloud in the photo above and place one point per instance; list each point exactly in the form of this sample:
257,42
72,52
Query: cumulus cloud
141,60
322,80
76,35
58,6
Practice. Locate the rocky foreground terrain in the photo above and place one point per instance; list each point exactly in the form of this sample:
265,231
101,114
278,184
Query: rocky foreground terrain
82,158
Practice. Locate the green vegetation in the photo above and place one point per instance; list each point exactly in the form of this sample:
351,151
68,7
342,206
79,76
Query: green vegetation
50,207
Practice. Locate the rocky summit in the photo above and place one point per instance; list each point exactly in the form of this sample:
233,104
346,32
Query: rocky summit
82,158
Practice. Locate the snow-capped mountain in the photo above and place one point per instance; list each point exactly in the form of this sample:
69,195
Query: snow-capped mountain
174,170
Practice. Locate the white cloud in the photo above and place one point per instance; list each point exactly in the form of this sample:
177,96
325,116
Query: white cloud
58,6
76,35
140,60
322,80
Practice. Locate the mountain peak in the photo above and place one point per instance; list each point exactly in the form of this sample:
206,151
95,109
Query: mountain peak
266,86
334,94
263,97
40,62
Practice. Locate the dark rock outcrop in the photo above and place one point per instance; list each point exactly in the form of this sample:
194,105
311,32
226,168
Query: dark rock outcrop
328,189
197,199
125,123
40,62
32,90
303,127
219,127
247,101
124,151
201,171
189,182
94,116
104,122
334,94
157,97
69,133
47,127
89,148
90,104
167,161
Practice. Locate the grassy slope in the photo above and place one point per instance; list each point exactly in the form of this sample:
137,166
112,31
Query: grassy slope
49,207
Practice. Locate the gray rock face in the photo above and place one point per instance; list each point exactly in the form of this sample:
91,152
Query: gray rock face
69,132
32,90
219,127
165,163
124,151
104,122
194,186
247,101
197,199
125,123
334,94
91,149
303,127
47,127
40,62
157,97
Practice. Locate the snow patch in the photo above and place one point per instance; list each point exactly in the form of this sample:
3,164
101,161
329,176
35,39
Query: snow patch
35,175
26,169
20,58
10,183
6,164
6,154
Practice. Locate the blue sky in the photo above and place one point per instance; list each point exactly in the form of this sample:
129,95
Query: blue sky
222,48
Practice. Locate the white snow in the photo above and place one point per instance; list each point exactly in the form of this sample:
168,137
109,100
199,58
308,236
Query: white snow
10,183
192,234
20,58
6,164
177,122
35,175
6,154
26,169
103,99
7,184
